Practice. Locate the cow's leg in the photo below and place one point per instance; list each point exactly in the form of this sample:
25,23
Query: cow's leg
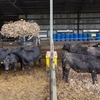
29,68
0,67
62,69
29,73
39,61
22,68
6,77
35,63
62,72
67,74
94,76
66,70
15,66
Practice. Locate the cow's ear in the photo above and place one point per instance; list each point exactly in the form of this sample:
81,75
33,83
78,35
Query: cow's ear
9,58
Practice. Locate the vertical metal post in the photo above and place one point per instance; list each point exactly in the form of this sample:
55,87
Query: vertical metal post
78,19
53,95
51,24
24,40
26,17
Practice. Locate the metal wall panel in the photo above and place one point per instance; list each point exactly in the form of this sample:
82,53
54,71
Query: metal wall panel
85,15
67,21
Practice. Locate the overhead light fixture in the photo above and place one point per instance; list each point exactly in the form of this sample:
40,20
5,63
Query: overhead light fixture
43,30
90,30
64,30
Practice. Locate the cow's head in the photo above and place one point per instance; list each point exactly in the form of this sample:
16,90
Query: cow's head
66,47
7,62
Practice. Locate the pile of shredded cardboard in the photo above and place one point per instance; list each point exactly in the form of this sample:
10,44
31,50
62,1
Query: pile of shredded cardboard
20,29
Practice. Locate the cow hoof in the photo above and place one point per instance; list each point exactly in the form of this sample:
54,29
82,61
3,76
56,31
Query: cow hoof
62,78
22,73
6,78
29,73
14,75
67,81
39,66
95,83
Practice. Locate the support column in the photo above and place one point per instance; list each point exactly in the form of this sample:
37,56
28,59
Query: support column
53,94
78,22
1,23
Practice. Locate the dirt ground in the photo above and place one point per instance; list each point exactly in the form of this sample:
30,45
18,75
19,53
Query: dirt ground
80,86
35,86
24,87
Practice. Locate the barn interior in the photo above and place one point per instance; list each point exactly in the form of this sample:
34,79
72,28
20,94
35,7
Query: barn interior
70,18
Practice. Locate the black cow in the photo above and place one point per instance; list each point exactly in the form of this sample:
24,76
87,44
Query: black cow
66,47
79,49
11,60
29,56
76,48
80,63
3,53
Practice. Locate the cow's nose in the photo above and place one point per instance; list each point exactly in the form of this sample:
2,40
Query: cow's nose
6,68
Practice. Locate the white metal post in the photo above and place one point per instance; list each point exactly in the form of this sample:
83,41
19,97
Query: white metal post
24,40
53,94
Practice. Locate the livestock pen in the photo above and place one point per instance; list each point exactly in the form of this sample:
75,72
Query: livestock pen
24,87
68,20
36,85
80,85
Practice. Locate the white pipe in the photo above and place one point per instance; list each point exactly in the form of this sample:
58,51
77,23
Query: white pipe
51,24
53,94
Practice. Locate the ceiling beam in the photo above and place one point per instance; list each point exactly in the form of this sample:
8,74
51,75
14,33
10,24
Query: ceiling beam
14,4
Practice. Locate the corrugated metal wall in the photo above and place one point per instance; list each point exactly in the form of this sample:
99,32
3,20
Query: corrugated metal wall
67,21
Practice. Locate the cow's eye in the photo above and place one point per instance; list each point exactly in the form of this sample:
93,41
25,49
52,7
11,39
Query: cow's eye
8,58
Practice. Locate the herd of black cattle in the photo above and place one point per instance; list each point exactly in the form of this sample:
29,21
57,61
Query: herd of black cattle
19,55
77,57
81,59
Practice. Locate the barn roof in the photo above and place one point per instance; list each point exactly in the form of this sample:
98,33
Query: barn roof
16,7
